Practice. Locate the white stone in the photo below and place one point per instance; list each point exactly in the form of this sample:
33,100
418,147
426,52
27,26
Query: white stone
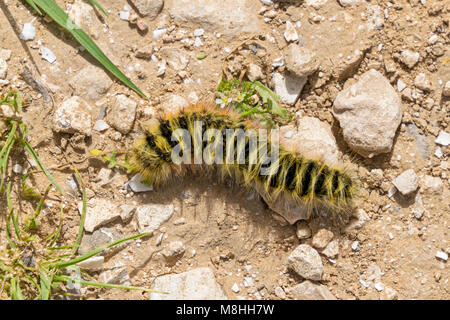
17,168
438,153
235,288
306,262
407,182
73,116
301,61
173,251
230,18
375,18
316,4
122,113
159,32
422,82
94,263
151,216
313,138
355,246
136,184
173,103
446,89
197,284
100,125
199,32
126,212
98,212
290,34
400,85
248,282
410,58
442,255
308,290
149,8
349,3
90,83
288,87
3,69
116,276
28,32
369,113
124,15
254,72
360,220
47,54
303,230
332,249
443,138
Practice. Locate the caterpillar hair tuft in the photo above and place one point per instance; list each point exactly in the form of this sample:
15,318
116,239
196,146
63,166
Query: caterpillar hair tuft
310,182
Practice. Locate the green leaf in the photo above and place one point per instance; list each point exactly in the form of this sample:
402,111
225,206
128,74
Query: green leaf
61,18
95,3
271,98
33,5
83,212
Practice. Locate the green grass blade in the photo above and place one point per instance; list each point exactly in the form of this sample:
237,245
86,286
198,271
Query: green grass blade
33,5
11,212
61,18
94,252
41,166
95,3
46,283
16,293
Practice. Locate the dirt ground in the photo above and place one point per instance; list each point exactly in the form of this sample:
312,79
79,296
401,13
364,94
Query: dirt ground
223,227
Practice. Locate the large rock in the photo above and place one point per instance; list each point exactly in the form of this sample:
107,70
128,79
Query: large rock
369,113
149,8
122,113
306,262
90,83
312,138
311,291
73,116
197,284
84,17
230,17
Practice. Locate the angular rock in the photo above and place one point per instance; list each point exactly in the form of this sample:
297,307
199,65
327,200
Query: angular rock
99,212
290,34
316,4
443,138
197,284
406,182
116,276
358,222
303,230
84,16
301,61
151,216
322,238
369,113
306,262
90,83
312,138
136,184
73,116
288,87
331,250
122,113
145,52
432,184
174,251
28,32
231,18
422,82
254,72
149,8
349,3
410,58
176,58
308,290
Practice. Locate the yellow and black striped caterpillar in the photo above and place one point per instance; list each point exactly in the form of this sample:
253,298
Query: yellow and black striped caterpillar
310,182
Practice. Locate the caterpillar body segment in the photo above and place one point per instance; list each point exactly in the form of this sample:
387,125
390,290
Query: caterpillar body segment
310,182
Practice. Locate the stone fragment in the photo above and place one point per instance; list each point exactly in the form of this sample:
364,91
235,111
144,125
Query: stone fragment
407,182
122,113
288,87
322,238
306,262
151,216
308,290
73,116
301,61
99,212
90,83
149,8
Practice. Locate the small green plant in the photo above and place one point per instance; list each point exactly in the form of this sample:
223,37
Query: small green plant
251,99
33,266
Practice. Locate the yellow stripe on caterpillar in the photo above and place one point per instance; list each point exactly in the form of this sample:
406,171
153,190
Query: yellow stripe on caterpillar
310,182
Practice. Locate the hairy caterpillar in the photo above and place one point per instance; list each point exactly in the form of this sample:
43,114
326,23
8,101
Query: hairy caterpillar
310,182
